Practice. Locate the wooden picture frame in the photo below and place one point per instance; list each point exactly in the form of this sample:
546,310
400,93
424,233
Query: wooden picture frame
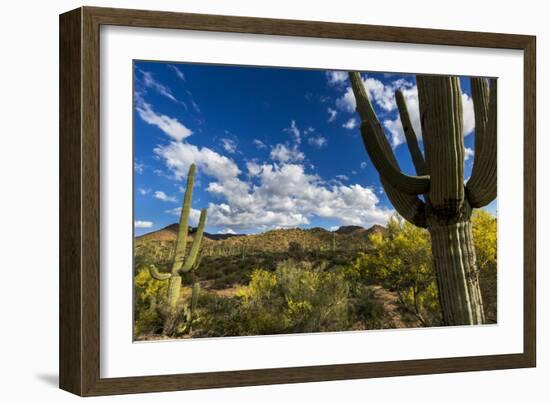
80,200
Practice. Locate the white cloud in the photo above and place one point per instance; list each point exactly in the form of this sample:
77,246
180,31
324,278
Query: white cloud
150,82
284,194
350,124
170,126
194,215
178,72
336,77
164,197
138,168
318,141
332,114
253,168
395,127
468,114
226,231
380,94
342,177
468,153
294,132
259,143
143,224
384,96
179,156
287,197
229,145
363,165
282,153
143,191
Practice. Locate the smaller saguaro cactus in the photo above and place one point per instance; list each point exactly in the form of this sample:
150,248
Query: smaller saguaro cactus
182,264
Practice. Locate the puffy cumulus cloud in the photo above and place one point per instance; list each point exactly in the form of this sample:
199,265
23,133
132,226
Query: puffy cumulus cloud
350,124
170,126
336,77
468,115
179,156
143,224
275,195
384,97
283,153
287,196
395,128
253,168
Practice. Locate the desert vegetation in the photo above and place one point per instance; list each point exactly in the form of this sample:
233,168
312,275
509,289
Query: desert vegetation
349,279
433,264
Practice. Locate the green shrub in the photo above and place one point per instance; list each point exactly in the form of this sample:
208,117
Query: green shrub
149,296
219,316
401,262
296,298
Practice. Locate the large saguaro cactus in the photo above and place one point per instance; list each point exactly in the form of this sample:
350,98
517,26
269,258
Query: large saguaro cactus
181,264
438,199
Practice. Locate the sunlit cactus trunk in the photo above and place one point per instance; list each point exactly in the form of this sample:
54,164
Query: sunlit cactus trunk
454,261
182,264
438,199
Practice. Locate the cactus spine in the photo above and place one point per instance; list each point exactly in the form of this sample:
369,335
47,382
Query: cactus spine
180,263
447,203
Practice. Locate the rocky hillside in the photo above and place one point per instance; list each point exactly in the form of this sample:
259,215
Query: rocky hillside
158,244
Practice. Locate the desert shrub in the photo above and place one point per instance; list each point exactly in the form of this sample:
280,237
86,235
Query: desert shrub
297,297
485,241
400,261
219,316
365,311
149,297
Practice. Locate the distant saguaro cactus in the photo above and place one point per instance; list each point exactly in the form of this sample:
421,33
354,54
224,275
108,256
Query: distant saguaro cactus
181,264
447,203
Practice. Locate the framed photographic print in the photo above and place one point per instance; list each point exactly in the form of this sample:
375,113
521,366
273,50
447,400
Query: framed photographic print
249,201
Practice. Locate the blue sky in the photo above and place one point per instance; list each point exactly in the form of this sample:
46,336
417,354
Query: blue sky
274,147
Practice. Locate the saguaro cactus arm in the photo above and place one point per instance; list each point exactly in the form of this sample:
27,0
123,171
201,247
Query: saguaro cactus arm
410,135
158,275
480,96
377,145
410,207
181,241
190,261
482,185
